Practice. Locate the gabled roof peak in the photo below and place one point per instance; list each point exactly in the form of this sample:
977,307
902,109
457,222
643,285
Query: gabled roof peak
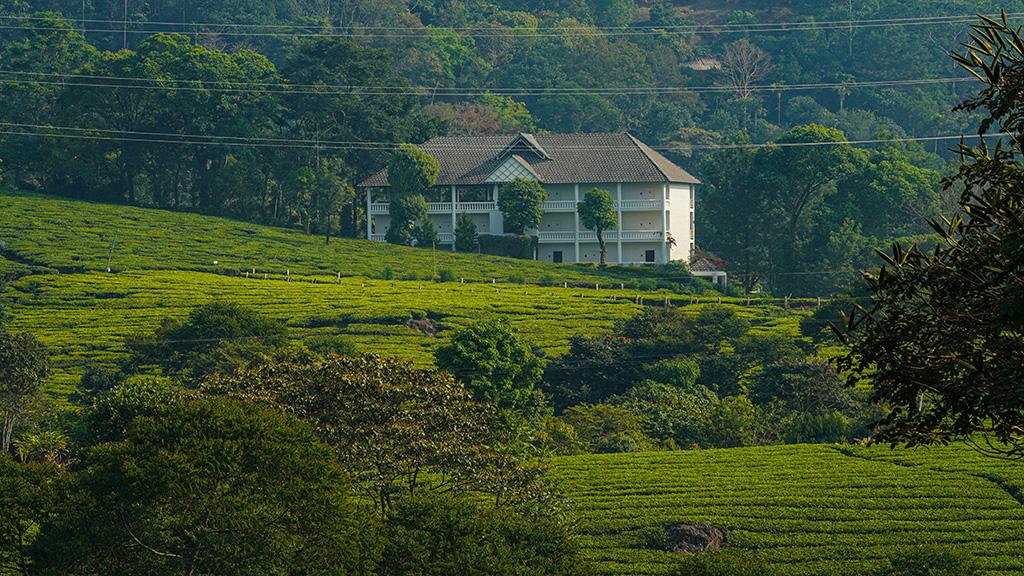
524,141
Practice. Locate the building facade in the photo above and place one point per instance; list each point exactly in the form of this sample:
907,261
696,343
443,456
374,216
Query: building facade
655,198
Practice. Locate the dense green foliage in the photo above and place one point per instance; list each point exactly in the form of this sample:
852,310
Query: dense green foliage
209,486
440,536
494,363
400,430
24,368
214,337
520,203
942,340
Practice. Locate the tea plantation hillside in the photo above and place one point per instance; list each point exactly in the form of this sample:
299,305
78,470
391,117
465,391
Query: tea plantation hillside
163,264
77,236
86,317
810,510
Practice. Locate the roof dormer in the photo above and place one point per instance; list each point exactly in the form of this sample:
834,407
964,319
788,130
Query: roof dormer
522,145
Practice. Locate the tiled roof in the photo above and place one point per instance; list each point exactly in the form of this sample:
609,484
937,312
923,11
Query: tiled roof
704,265
572,158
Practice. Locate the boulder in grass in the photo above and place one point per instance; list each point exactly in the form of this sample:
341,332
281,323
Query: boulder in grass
693,538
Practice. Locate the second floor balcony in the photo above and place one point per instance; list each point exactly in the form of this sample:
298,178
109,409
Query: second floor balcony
442,207
609,236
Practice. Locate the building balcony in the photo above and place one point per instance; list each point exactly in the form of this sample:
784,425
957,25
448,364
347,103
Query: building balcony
551,206
476,207
442,207
442,238
559,206
609,236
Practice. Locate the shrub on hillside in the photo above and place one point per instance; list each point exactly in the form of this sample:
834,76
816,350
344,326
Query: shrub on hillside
670,414
441,536
607,428
523,247
215,336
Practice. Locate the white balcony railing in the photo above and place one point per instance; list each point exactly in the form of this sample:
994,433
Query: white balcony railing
476,206
559,206
641,204
432,207
442,237
609,236
551,206
557,237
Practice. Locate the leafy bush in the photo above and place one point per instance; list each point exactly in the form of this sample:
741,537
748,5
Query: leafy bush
331,344
678,372
217,486
214,336
607,428
445,275
804,385
442,536
669,413
523,247
494,363
818,428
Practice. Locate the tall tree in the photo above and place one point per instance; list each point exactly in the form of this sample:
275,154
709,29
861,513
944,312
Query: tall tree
942,342
411,172
400,430
520,202
24,367
597,212
209,486
494,363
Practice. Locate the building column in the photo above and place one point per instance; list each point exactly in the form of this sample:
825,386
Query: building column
496,220
664,224
576,219
369,217
618,192
453,218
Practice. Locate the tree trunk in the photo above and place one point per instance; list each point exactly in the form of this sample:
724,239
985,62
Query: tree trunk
5,441
600,243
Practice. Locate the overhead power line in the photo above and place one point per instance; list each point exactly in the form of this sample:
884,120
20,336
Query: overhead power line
71,132
484,32
741,27
101,81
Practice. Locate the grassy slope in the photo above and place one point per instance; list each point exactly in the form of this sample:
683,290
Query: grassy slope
85,317
813,510
164,264
75,236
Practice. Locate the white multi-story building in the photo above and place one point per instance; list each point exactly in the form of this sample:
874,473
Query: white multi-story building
655,199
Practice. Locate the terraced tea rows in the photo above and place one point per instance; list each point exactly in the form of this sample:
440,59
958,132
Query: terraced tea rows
811,510
71,235
86,317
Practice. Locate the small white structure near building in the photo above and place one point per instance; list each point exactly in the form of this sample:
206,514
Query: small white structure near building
708,270
654,197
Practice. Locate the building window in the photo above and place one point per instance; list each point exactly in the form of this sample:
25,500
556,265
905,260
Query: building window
649,256
556,256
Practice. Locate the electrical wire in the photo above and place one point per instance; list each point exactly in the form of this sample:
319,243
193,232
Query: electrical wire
383,90
484,32
219,140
